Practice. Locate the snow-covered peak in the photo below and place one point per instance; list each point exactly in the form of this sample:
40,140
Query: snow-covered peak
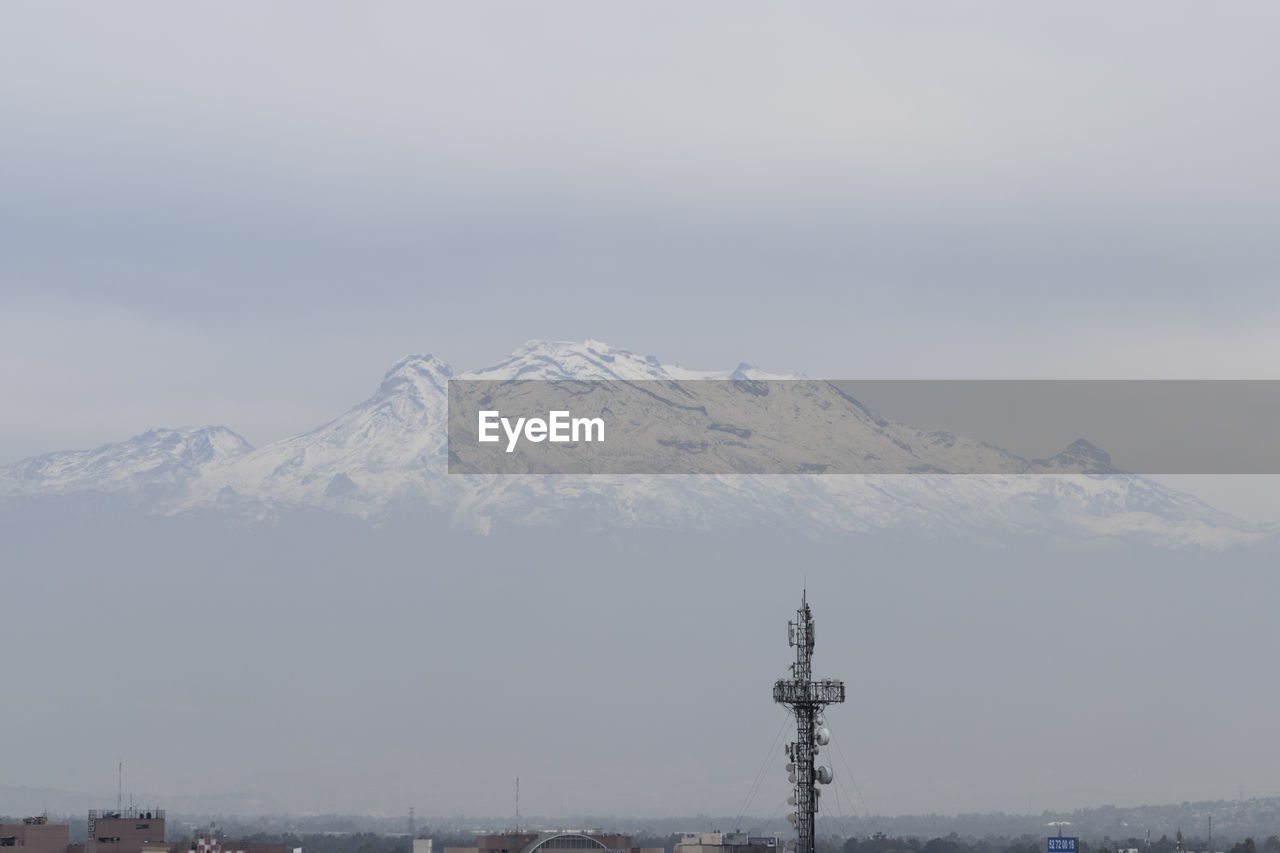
591,359
1080,457
748,371
156,458
571,360
419,375
219,442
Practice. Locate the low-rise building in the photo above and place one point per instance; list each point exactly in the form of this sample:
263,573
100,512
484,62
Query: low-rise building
553,841
728,842
125,831
36,835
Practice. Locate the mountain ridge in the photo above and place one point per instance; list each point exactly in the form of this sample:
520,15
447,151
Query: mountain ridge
391,450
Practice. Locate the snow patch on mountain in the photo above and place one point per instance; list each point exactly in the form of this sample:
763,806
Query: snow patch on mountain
595,360
155,465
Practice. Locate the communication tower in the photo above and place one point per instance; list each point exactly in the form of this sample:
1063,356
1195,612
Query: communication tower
806,698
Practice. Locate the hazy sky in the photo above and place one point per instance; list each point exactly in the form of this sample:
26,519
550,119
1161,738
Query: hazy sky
332,668
244,213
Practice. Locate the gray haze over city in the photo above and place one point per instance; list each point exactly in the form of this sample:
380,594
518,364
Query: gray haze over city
244,215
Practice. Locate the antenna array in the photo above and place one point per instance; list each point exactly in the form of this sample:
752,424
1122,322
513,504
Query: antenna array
806,698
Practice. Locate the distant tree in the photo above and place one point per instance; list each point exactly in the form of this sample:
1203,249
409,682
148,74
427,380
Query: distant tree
1024,845
1272,844
1246,846
879,842
950,844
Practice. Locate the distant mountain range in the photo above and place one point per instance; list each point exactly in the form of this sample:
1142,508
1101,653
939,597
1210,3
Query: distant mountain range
389,453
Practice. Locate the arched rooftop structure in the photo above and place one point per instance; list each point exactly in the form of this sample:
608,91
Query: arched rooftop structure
565,841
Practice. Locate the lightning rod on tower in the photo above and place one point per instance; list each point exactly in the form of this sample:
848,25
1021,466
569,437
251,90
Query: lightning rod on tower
806,698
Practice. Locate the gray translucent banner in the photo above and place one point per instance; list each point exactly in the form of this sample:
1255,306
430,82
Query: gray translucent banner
809,426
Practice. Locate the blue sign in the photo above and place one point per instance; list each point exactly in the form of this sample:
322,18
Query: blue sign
1062,844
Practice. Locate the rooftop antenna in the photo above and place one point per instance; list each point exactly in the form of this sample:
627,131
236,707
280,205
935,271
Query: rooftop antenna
517,801
410,826
119,785
806,698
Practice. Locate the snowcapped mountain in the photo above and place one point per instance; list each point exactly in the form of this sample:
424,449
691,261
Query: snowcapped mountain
390,451
154,467
385,450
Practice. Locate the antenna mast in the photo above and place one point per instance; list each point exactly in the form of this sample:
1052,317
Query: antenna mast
806,699
119,786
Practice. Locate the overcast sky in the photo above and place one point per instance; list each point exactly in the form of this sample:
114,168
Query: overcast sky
242,214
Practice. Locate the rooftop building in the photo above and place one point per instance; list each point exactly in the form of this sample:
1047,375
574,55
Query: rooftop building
550,841
125,831
35,835
728,842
